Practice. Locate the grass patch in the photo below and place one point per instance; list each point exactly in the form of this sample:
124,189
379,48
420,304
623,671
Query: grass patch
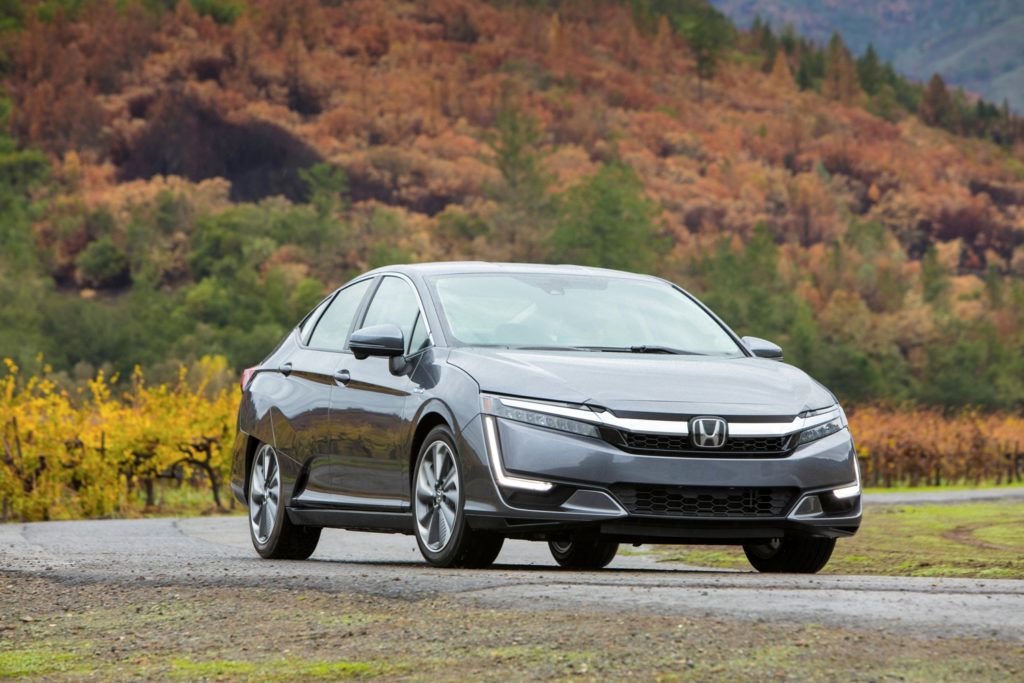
34,662
978,540
187,501
278,670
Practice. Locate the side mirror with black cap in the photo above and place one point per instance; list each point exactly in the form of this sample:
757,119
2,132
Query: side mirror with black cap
377,340
762,348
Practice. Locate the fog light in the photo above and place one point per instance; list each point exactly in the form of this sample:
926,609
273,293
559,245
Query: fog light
808,507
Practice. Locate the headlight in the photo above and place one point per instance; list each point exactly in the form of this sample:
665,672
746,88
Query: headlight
538,414
820,431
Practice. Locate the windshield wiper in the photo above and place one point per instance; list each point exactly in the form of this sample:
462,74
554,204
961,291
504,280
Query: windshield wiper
643,348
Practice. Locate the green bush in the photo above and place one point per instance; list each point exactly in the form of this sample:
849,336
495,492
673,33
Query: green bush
221,11
102,264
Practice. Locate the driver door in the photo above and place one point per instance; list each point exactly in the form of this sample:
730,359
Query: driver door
371,413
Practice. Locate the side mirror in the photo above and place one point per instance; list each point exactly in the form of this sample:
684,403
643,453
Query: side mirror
377,340
762,348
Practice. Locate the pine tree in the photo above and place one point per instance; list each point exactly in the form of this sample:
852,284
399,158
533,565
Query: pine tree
526,208
769,46
707,34
936,106
841,73
803,74
869,71
608,221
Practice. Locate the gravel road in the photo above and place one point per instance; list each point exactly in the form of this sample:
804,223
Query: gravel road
215,552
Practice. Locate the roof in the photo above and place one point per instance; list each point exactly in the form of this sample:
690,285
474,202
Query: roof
454,267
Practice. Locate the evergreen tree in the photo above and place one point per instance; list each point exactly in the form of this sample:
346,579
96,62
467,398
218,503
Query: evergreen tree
869,71
327,188
788,39
841,73
885,104
708,34
934,279
803,75
526,207
608,221
768,45
936,108
812,67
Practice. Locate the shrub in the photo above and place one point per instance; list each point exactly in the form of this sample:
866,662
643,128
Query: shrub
102,264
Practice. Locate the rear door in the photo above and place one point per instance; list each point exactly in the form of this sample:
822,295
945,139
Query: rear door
370,416
311,371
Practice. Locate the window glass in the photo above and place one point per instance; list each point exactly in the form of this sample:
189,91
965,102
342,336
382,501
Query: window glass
306,326
331,331
395,303
419,339
576,311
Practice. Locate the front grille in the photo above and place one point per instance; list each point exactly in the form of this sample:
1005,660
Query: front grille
703,501
676,444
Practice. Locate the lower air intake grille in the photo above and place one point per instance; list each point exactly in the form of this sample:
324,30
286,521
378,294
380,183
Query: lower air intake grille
697,501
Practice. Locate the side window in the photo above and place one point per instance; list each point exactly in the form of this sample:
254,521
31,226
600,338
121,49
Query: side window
419,338
395,303
332,330
306,326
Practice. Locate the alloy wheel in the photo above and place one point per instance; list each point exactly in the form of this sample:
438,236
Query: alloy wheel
437,496
561,546
264,494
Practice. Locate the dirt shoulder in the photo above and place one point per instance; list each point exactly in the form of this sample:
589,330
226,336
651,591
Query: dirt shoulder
54,630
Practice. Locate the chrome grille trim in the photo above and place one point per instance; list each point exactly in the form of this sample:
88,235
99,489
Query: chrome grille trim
673,427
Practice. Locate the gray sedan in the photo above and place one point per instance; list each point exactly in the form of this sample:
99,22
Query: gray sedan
467,403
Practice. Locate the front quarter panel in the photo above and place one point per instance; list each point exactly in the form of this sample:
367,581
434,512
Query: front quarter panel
453,395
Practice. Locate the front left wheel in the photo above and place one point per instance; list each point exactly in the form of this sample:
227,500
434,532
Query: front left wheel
583,552
791,554
442,533
273,534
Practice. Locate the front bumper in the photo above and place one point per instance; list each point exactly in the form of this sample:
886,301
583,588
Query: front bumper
657,498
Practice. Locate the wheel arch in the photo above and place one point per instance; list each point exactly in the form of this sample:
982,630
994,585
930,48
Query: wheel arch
429,420
252,443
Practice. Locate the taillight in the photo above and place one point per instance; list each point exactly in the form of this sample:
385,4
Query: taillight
246,376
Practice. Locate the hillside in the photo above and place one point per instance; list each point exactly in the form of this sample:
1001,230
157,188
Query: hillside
213,168
975,44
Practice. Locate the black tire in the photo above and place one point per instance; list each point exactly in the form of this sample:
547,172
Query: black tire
464,546
583,552
792,554
285,540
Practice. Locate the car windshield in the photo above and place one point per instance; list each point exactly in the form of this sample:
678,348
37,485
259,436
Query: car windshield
577,312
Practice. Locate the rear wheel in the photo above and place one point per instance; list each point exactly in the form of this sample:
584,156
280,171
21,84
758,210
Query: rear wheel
792,554
273,534
583,552
444,537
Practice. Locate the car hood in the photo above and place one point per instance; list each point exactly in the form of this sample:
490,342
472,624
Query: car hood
633,383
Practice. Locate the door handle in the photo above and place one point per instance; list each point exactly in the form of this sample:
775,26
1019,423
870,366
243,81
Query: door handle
285,369
342,377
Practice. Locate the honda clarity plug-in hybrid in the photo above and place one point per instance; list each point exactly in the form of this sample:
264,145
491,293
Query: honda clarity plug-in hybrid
467,403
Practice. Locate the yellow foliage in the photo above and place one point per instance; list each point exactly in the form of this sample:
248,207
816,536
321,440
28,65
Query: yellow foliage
68,455
930,447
